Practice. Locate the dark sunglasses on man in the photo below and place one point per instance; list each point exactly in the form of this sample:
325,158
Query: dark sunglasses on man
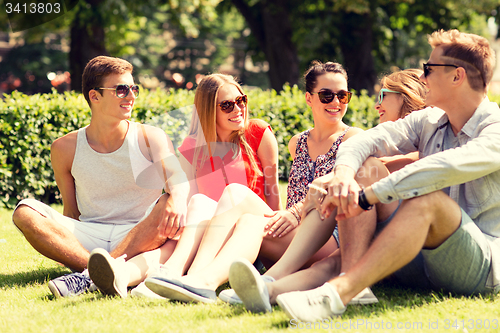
428,66
327,96
122,90
227,106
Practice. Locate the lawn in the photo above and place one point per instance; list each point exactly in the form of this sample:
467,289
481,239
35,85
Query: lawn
26,305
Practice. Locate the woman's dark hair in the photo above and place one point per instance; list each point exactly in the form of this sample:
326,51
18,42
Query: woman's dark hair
318,68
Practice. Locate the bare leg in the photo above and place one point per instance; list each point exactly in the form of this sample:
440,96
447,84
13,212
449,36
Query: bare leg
200,210
356,234
311,235
425,221
306,279
236,201
140,265
50,238
144,236
245,242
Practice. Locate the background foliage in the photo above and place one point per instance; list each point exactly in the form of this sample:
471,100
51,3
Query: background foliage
29,125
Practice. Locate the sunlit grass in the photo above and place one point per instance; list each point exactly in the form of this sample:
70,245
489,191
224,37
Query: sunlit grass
26,305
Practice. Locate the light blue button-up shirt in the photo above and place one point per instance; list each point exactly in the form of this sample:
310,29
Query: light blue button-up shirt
471,171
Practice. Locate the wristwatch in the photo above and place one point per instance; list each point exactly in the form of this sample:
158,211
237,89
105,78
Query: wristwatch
363,202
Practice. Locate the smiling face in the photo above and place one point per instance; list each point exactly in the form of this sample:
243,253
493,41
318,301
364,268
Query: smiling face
334,111
390,108
226,123
110,104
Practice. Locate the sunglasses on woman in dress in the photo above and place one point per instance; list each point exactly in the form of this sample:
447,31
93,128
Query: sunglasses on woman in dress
227,106
327,96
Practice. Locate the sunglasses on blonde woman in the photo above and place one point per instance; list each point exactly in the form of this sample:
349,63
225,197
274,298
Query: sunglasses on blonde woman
227,106
122,90
382,92
327,96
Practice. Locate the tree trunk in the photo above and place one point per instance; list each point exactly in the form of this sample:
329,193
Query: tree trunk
270,24
87,41
357,50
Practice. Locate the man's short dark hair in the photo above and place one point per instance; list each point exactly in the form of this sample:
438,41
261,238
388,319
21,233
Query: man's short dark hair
100,67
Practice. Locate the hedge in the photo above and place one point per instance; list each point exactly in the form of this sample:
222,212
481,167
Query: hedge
29,124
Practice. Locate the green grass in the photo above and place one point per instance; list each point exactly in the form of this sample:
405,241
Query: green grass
26,305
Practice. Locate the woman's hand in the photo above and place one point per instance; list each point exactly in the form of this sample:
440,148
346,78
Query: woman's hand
316,194
281,223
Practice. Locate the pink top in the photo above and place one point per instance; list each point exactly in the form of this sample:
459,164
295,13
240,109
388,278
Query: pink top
219,171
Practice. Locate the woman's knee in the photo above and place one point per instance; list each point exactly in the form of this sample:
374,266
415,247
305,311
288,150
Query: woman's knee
200,200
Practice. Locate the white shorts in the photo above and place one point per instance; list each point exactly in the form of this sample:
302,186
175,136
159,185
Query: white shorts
90,234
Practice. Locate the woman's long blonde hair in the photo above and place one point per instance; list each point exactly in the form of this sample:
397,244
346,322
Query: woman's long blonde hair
204,129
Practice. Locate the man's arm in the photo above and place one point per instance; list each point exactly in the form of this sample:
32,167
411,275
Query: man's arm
62,154
175,180
386,139
475,159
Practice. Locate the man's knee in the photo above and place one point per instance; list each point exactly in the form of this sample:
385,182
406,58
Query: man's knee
20,216
371,171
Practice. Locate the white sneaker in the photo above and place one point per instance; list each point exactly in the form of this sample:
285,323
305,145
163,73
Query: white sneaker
365,296
312,305
229,295
110,275
249,286
143,291
162,271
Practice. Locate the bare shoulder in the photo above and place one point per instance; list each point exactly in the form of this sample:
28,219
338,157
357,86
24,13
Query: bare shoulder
292,144
65,146
352,131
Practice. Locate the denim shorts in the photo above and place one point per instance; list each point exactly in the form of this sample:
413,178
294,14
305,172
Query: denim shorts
460,265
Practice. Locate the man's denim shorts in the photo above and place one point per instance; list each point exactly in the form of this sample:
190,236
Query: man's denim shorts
460,265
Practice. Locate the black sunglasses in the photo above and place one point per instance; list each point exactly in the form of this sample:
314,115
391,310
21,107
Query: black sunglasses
427,67
228,106
327,96
122,90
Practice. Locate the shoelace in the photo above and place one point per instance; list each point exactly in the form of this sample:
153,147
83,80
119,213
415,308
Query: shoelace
77,282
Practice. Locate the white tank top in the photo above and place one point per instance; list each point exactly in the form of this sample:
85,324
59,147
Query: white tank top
105,184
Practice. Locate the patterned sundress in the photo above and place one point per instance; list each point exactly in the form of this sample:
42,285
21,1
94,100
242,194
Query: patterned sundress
304,170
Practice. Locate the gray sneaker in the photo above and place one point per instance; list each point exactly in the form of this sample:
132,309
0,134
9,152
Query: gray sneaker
312,305
70,285
249,286
229,295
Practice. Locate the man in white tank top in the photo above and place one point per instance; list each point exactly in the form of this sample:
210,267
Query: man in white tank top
110,174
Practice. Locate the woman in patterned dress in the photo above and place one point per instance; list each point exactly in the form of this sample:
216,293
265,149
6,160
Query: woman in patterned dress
402,92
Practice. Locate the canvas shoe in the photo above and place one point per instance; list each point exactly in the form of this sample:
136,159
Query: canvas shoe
178,291
249,286
110,275
143,291
230,296
312,305
365,296
70,285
